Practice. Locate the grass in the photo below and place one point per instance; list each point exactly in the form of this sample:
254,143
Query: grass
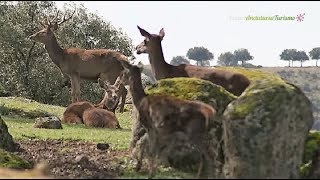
15,112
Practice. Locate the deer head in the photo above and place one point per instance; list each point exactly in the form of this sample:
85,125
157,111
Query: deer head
46,34
149,41
112,92
130,69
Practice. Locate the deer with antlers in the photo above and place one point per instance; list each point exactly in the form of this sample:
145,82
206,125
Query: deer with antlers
76,63
166,118
233,82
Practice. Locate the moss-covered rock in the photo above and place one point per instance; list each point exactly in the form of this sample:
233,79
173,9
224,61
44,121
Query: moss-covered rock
194,89
311,158
9,160
6,141
265,128
189,89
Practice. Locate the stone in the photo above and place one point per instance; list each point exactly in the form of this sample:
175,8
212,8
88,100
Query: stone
6,141
103,146
265,129
51,122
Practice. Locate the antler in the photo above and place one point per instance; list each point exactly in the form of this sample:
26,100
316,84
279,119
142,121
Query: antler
66,19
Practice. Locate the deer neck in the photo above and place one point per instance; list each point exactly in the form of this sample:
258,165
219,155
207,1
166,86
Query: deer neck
158,64
136,89
55,51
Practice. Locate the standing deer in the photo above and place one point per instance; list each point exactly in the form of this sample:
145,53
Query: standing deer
233,82
166,117
77,64
100,115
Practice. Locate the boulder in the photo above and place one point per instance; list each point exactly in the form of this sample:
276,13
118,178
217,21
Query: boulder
189,89
10,160
264,130
6,141
51,122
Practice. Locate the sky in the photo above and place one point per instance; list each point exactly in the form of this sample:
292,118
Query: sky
219,26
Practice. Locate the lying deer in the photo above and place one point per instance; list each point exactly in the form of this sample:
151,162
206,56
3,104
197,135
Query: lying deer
165,117
96,115
233,82
77,64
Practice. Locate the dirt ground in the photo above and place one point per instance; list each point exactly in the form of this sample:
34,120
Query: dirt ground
73,159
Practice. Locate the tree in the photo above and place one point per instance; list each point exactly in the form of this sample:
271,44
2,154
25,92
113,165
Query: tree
242,55
300,56
26,69
201,55
315,54
177,60
227,59
287,55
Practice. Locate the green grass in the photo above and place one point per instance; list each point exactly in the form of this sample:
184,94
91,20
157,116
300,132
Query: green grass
22,128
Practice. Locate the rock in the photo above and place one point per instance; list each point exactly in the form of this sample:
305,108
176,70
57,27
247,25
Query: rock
189,89
103,146
9,160
51,122
81,159
6,141
265,129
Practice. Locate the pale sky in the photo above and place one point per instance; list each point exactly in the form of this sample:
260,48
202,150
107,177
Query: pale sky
214,25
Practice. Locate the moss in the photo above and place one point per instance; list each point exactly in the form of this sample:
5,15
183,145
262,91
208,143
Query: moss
193,89
312,145
9,160
264,86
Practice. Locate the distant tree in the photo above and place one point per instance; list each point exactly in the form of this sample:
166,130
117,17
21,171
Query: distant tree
288,55
227,59
315,54
201,55
177,60
300,56
242,55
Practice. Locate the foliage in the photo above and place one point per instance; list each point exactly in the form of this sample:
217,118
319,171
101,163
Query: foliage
27,70
242,55
294,55
200,54
177,60
227,59
315,54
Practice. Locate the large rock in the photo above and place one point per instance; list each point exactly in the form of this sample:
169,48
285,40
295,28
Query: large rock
10,160
51,122
265,129
190,89
6,141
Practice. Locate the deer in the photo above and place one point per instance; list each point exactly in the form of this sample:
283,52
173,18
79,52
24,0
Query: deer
76,63
165,117
233,82
98,115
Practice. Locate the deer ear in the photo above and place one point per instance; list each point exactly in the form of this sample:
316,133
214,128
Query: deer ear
161,33
144,32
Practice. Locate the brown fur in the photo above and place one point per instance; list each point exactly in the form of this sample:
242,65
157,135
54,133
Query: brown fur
233,82
77,64
101,118
96,115
165,116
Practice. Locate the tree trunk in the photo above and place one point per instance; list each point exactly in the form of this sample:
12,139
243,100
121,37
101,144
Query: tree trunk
289,63
301,63
316,62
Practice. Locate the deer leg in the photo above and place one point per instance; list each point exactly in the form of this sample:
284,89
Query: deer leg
123,98
75,87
